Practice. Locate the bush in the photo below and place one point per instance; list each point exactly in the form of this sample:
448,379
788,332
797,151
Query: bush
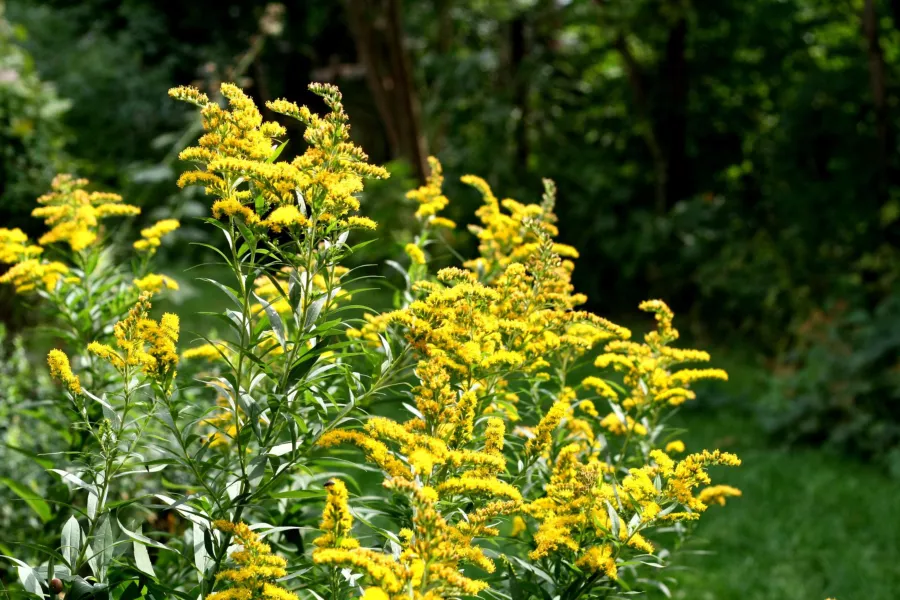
839,383
457,445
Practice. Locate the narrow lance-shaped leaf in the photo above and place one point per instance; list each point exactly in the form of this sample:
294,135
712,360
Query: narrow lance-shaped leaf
70,547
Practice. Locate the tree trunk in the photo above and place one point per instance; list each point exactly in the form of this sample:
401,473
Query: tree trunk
674,113
517,53
377,29
877,81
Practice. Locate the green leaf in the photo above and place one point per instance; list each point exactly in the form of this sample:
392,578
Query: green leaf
80,590
37,504
615,522
133,591
515,590
102,547
71,542
142,559
201,558
225,289
30,581
75,480
313,311
275,321
139,537
277,152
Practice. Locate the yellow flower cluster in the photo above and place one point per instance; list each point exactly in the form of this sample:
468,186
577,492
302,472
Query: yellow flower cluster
591,516
428,567
155,283
62,370
151,237
14,246
144,343
315,189
210,352
73,213
508,327
647,367
256,571
516,235
28,272
430,197
336,519
431,200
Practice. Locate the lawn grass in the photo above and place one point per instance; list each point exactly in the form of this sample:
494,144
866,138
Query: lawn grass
810,525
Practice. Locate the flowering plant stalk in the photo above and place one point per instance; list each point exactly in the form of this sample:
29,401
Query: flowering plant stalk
484,438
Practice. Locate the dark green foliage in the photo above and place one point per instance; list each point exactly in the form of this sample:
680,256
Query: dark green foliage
840,384
32,134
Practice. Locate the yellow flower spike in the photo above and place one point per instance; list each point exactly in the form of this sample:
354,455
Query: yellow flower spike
155,283
494,436
375,451
151,236
31,274
416,255
233,208
544,430
209,352
664,316
187,93
637,541
336,518
518,526
676,446
257,572
441,222
599,559
717,494
614,425
430,196
61,370
464,422
14,246
688,376
107,353
479,486
357,222
690,473
664,462
284,217
601,387
144,343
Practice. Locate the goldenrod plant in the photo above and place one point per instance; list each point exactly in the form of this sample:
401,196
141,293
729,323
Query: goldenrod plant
485,437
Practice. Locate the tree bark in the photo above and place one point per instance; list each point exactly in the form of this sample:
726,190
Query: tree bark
377,29
878,84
